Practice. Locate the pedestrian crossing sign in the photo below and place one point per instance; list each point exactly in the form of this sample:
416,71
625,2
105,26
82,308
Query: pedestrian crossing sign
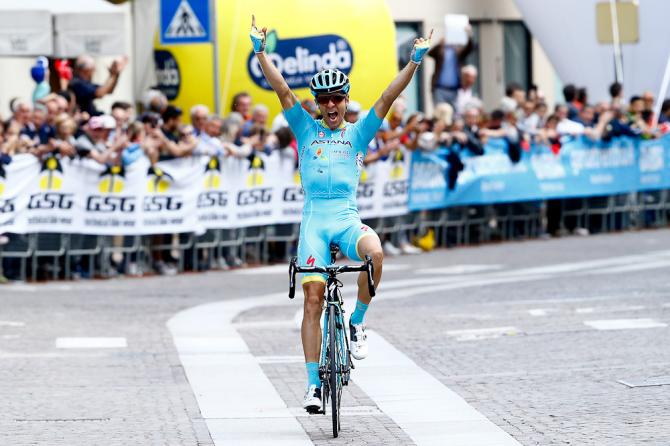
184,21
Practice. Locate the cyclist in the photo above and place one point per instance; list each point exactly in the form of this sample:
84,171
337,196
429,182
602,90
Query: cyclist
331,153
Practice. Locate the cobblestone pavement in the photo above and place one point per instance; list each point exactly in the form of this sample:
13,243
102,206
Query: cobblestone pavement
519,352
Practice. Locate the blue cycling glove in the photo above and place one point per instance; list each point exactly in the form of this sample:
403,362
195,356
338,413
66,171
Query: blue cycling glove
257,39
418,51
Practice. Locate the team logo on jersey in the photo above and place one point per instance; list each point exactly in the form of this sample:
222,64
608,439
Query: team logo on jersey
311,260
256,170
111,180
398,163
159,180
321,134
51,174
213,173
320,154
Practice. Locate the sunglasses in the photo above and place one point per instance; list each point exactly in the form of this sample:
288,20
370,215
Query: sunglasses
325,99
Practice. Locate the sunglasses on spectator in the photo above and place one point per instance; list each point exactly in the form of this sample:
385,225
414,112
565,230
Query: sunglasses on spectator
325,99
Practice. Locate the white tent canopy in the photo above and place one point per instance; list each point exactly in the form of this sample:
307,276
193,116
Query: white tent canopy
61,28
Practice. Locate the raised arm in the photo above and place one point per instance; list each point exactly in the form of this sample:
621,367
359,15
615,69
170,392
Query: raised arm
286,97
383,104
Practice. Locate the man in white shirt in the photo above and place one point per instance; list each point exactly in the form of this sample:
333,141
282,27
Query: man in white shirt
465,96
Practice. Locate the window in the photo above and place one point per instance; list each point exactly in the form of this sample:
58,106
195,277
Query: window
473,57
405,33
517,54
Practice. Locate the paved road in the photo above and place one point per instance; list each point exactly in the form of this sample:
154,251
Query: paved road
537,339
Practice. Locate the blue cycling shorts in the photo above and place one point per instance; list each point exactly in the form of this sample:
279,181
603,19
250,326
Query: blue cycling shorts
327,221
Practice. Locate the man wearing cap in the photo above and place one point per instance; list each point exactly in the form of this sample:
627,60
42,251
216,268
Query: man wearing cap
93,142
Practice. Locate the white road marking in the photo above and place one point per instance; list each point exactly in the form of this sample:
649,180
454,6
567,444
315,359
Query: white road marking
265,324
624,324
459,269
587,310
280,360
475,334
91,343
634,267
423,407
241,406
345,411
612,309
238,402
537,312
12,324
579,267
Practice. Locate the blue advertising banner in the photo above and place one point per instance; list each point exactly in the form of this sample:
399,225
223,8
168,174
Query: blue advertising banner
582,168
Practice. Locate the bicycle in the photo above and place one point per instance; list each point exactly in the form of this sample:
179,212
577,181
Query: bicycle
335,364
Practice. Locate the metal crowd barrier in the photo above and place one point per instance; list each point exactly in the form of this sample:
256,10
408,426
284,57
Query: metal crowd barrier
66,256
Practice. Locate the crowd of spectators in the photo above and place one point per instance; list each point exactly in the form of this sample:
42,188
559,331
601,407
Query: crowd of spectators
67,123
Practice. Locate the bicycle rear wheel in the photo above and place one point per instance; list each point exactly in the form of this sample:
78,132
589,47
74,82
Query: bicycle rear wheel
334,358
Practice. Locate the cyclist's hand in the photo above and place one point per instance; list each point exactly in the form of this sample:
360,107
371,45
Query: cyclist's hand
257,37
420,48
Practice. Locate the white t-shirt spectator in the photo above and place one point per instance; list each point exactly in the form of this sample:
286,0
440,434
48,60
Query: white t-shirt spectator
208,145
569,127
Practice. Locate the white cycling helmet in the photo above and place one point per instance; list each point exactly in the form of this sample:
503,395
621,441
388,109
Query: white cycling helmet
329,81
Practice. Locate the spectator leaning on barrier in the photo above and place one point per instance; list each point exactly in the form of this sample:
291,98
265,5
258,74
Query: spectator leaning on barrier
122,112
567,126
468,137
515,92
154,101
199,115
664,117
93,142
529,121
616,94
259,118
171,122
64,143
21,114
85,90
448,61
570,96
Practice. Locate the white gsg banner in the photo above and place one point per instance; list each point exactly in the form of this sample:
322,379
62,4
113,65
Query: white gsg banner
182,195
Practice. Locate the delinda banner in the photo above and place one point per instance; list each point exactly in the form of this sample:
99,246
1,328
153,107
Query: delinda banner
183,195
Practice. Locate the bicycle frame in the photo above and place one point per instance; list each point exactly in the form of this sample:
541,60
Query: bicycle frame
335,362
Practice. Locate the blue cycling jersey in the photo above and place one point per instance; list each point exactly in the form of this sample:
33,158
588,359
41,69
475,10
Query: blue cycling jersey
330,167
331,160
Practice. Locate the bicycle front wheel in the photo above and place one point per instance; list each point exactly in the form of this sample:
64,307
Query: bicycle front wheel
334,359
